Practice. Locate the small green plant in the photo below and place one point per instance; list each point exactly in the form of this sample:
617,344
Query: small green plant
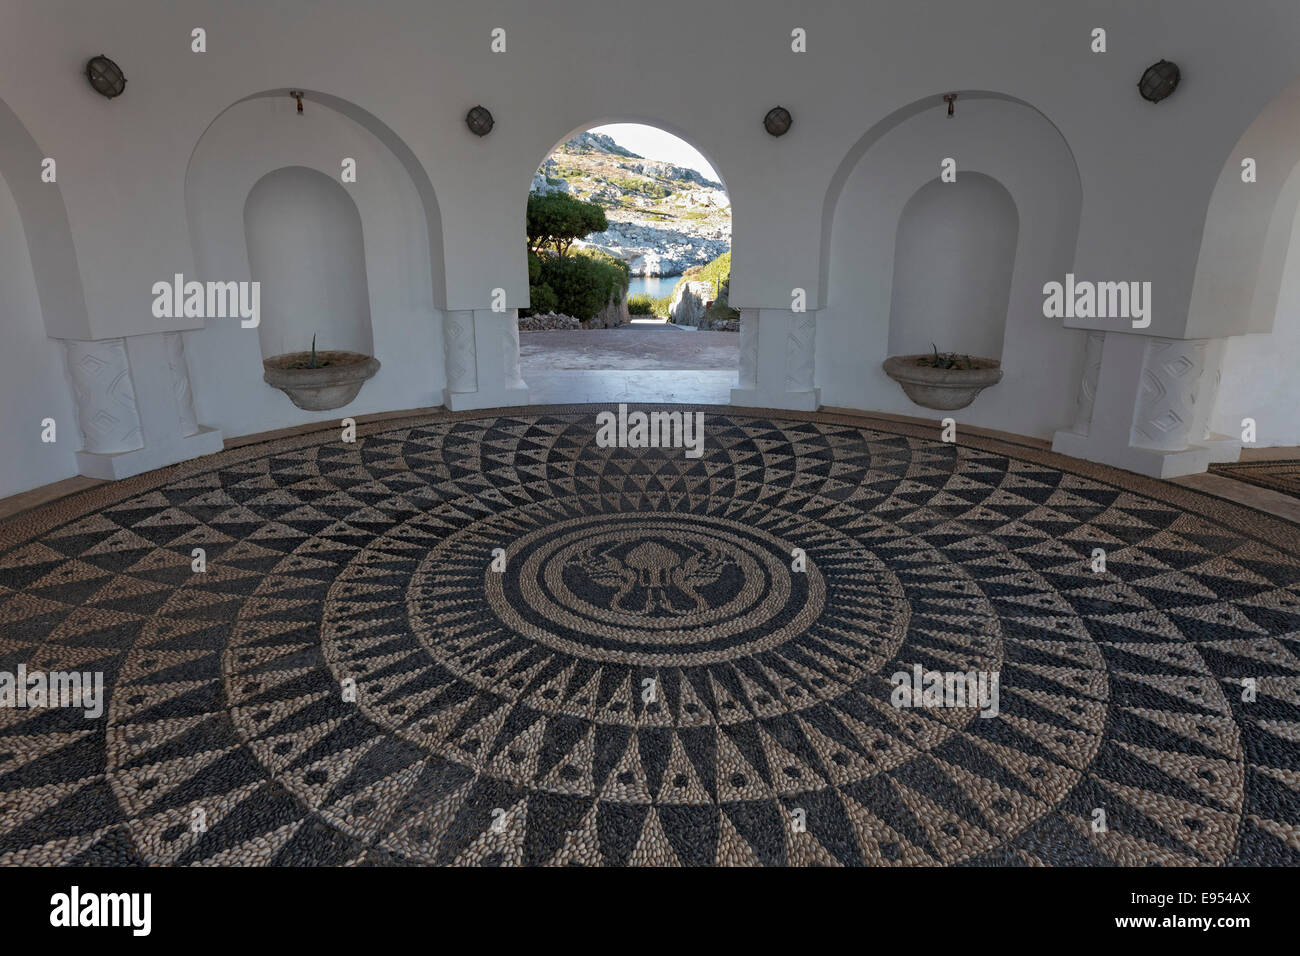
313,361
945,360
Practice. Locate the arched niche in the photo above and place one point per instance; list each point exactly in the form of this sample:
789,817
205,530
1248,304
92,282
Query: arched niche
1257,376
34,382
999,138
306,251
954,254
1244,245
400,227
1247,283
40,206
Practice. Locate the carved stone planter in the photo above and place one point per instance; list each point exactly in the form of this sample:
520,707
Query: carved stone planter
942,388
334,382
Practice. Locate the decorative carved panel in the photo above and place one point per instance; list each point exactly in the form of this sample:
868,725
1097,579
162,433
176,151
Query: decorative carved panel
106,407
510,349
458,346
800,351
1088,383
748,348
1172,380
180,374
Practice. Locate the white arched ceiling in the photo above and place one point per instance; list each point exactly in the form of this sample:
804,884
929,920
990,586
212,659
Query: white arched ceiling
306,251
257,136
1012,143
954,255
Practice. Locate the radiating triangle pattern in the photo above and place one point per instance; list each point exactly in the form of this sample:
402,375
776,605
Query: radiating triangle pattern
489,641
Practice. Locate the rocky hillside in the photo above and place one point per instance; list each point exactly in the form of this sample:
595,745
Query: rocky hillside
662,218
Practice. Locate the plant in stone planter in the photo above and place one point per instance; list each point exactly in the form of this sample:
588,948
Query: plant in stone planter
318,381
943,380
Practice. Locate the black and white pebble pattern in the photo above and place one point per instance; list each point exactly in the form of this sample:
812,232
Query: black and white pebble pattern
652,679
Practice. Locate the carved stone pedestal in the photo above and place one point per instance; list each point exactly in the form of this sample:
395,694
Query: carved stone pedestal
777,360
134,407
482,354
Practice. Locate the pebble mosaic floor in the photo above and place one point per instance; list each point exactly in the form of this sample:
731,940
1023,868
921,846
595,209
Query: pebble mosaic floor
649,681
1280,475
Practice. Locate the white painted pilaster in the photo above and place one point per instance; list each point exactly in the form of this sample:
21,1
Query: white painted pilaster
777,360
1149,407
482,351
133,405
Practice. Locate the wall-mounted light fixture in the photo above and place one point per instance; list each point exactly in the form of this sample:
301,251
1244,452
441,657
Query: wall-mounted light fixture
480,121
778,121
1159,80
950,99
298,95
105,76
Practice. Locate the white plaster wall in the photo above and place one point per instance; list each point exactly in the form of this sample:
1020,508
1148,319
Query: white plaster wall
1017,147
1148,170
257,137
1238,274
33,377
306,252
1260,379
954,255
131,180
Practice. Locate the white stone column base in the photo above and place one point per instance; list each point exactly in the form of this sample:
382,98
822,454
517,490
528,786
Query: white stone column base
134,406
1222,449
1152,462
1151,398
206,441
777,360
490,398
808,401
483,360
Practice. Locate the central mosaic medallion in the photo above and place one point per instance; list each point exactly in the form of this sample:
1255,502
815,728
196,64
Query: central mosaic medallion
650,588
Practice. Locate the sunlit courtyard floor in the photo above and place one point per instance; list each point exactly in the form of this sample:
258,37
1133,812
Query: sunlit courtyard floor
636,363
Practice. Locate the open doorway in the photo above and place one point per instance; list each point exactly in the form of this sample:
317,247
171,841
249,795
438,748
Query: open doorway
629,236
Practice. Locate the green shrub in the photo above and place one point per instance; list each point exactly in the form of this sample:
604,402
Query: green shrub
717,272
640,304
583,284
618,265
720,308
542,298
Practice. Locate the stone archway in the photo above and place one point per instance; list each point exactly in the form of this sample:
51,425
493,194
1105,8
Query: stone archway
668,211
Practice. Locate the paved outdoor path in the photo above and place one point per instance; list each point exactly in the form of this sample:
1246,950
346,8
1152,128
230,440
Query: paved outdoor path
629,347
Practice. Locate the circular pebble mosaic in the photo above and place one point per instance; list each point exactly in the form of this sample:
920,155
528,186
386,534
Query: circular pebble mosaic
484,640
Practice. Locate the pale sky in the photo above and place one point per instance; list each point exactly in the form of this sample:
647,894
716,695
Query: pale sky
653,143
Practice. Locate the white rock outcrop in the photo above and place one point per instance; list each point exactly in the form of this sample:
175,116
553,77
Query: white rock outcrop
689,302
652,251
